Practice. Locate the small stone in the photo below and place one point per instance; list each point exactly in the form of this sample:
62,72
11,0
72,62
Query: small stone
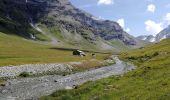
4,91
55,81
68,88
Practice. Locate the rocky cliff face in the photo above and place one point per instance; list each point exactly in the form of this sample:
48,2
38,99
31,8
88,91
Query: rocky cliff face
17,15
23,10
73,19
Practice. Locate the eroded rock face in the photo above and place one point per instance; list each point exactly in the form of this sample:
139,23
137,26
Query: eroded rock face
23,10
73,19
16,15
63,14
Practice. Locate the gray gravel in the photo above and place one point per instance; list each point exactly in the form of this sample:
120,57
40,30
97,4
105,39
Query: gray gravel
12,71
33,88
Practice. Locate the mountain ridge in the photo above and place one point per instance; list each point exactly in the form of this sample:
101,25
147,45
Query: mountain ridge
164,34
60,21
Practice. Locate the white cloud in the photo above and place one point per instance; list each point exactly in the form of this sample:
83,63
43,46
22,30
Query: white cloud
105,2
127,30
167,18
153,27
121,22
151,8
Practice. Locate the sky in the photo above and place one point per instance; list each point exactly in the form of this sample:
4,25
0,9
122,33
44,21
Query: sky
137,17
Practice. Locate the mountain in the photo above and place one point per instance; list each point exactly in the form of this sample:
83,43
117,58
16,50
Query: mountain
164,34
149,38
62,24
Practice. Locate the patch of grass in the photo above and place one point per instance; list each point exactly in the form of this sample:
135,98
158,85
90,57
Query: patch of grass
15,50
25,74
92,64
119,45
150,80
2,82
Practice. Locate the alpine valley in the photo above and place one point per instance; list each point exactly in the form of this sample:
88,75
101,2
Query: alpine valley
53,50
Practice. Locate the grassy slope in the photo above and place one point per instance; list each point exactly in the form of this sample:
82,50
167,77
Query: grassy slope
15,51
150,81
70,40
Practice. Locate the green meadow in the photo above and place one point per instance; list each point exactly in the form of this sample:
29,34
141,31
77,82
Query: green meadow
15,50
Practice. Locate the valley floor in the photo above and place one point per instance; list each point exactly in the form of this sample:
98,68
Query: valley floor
33,88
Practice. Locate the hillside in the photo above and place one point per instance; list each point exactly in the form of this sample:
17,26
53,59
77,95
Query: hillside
150,80
15,50
59,23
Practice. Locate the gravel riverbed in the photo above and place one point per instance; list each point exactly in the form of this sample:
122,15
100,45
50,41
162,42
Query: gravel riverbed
13,71
33,88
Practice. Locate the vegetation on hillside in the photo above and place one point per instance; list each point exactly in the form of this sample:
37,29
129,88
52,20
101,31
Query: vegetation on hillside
15,50
149,81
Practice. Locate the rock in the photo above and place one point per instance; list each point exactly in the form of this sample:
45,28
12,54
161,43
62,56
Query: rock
56,81
68,88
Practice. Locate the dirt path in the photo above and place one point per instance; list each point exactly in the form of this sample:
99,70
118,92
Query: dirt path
33,88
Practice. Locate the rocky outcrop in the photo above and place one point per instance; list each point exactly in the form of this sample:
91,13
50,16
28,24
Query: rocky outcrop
15,15
23,11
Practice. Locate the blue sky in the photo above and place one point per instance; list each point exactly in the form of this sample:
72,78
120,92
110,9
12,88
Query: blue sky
137,17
